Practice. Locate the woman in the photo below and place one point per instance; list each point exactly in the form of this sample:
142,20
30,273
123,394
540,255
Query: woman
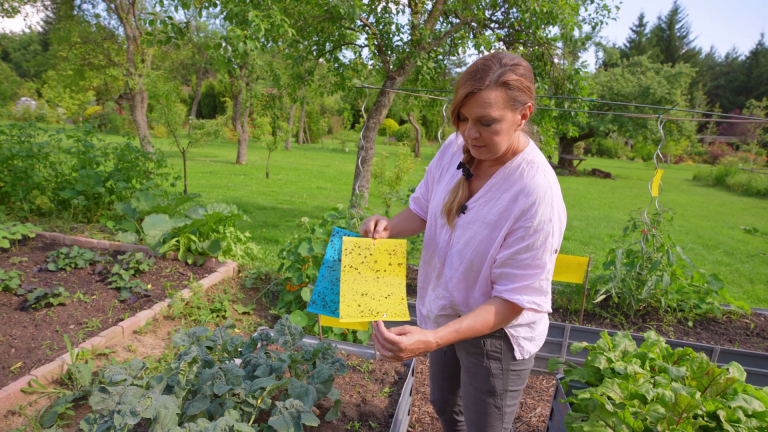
492,230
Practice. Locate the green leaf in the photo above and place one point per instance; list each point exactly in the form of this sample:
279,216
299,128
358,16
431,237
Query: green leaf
196,405
334,413
156,226
299,318
305,294
127,237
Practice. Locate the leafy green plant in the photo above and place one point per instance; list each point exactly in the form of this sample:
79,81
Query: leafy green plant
755,232
14,232
71,258
206,389
130,265
76,174
390,182
656,388
648,272
144,203
10,280
302,258
40,297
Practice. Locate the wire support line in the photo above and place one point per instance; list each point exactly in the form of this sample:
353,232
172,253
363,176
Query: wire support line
405,92
596,100
733,117
653,116
408,89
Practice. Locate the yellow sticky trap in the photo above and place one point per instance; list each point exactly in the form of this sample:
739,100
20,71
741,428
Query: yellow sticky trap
569,268
373,280
656,182
327,321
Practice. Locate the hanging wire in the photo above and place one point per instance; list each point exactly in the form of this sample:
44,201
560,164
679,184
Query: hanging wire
361,144
732,117
440,132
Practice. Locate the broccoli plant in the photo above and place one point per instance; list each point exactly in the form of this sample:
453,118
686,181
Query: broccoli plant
221,381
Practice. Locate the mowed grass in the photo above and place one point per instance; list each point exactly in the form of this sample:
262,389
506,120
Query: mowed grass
309,180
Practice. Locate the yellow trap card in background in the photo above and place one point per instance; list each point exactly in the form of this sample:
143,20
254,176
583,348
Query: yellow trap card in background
373,280
327,321
656,182
570,268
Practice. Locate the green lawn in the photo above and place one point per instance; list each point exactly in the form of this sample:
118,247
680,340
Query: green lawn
309,181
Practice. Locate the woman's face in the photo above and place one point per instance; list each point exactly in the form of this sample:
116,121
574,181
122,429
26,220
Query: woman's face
489,126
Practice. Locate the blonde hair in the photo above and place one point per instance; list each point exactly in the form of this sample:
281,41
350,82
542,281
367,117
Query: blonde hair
499,69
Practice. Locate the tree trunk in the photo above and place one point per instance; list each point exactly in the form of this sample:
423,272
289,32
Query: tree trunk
290,130
184,160
306,129
138,61
417,148
240,113
139,103
198,94
366,148
269,155
566,147
302,118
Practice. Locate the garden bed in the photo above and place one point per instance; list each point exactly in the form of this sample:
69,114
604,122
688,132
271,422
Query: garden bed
732,331
33,338
532,413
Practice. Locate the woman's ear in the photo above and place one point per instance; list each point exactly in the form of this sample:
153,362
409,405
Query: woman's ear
525,115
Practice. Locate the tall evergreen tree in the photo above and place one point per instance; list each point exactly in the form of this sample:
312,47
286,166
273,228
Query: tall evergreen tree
637,42
671,35
754,82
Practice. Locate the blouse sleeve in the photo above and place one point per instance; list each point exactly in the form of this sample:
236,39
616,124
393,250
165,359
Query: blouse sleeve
522,272
420,199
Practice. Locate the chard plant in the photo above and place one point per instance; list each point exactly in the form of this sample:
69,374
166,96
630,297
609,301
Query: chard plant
221,381
656,388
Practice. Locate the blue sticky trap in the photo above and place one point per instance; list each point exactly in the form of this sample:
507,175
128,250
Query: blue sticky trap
325,295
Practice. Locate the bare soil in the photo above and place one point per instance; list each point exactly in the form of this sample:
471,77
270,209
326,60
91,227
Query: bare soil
532,414
33,338
370,391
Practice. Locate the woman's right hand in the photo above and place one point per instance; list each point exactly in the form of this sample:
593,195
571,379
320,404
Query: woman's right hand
376,227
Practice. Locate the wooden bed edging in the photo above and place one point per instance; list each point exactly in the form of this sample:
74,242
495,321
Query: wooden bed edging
11,395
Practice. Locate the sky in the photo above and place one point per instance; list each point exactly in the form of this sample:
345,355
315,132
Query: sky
718,23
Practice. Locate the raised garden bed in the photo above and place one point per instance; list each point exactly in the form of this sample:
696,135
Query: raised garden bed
743,339
365,399
33,340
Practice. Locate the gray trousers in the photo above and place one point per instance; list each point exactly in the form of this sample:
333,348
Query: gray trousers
476,385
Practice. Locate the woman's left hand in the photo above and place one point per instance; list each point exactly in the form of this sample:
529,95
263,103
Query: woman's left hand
402,343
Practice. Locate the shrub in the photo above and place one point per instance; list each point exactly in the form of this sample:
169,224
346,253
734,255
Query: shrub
405,133
717,152
605,148
77,174
388,127
728,174
91,111
655,388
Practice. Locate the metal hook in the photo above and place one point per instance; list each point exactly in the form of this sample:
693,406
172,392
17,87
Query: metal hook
440,132
361,145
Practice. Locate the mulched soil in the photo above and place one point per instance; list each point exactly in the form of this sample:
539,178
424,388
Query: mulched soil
531,416
362,398
732,331
35,337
